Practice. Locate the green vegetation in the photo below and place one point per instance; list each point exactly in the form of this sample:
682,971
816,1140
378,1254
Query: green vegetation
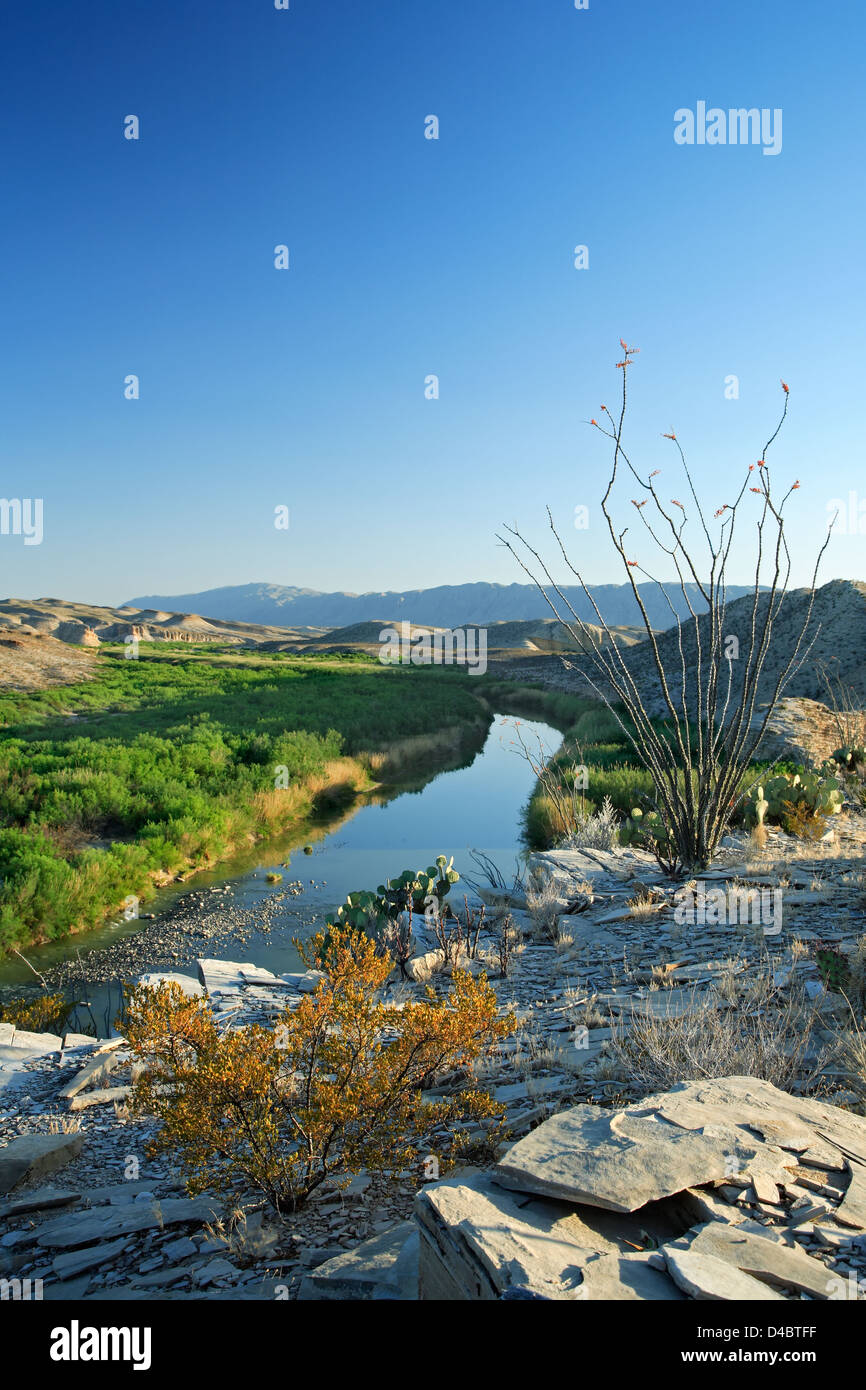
411,891
596,741
792,798
167,763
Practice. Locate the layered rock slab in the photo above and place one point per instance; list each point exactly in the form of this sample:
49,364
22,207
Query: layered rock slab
697,1133
479,1240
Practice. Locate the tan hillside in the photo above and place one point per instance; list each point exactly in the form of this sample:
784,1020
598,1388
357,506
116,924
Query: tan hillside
35,660
836,639
89,624
836,642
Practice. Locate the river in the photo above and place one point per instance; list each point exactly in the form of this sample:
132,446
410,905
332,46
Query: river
474,807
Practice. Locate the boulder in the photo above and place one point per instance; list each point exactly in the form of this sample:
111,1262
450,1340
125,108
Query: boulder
385,1267
35,1156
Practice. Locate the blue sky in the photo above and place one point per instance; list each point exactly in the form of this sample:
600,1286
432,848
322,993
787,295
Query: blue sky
412,257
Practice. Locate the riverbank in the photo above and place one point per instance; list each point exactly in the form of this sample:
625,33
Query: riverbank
160,767
257,902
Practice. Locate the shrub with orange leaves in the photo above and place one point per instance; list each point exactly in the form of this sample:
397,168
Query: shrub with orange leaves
335,1086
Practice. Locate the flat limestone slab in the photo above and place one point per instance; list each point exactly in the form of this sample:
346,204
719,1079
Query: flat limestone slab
109,1223
612,1159
781,1266
77,1261
35,1156
73,1041
590,863
42,1200
852,1209
708,1278
90,1073
191,988
305,983
742,1102
683,1138
106,1095
216,975
37,1042
626,1279
385,1267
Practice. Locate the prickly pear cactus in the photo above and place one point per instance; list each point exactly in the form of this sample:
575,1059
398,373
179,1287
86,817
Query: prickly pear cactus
833,968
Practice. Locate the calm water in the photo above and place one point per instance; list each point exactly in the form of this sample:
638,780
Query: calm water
474,807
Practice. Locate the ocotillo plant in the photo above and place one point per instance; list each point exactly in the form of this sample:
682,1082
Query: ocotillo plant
699,756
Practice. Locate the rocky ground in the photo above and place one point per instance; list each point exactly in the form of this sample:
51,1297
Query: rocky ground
87,1212
200,922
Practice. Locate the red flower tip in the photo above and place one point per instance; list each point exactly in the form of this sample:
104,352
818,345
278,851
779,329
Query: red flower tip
654,472
755,489
638,504
751,467
631,562
622,344
762,463
793,485
675,503
784,387
722,509
669,436
593,422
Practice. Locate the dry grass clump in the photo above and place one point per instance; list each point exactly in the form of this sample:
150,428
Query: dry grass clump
852,1056
646,901
586,1013
543,904
533,1054
766,1034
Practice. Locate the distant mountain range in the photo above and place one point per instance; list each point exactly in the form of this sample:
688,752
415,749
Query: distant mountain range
447,605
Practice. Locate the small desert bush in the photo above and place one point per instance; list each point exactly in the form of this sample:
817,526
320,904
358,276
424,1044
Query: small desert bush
336,1086
802,821
596,830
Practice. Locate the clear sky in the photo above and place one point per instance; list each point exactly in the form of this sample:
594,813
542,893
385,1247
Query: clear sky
409,257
